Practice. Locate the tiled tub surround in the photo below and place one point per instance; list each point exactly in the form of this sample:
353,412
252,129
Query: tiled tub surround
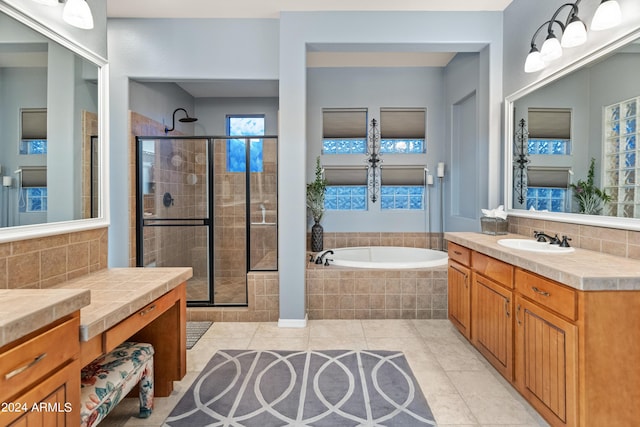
621,243
583,269
352,293
46,261
410,240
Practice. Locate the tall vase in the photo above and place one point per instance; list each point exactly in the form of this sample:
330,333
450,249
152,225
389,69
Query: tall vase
317,237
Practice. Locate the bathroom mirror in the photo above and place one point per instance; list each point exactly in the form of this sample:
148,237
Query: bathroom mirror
598,99
52,132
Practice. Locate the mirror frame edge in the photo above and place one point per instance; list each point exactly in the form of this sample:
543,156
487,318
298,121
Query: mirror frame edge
576,218
25,232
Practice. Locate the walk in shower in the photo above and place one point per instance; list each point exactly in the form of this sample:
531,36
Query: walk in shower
209,203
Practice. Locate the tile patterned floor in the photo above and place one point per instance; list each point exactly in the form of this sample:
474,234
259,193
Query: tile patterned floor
460,386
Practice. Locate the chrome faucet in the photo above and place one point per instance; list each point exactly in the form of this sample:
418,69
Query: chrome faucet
320,258
542,237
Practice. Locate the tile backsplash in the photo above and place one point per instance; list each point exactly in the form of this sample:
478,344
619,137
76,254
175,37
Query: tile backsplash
46,261
623,243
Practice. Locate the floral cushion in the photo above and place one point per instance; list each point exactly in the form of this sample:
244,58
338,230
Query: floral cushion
108,379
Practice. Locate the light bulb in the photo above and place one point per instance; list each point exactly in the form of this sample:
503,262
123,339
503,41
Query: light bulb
78,14
551,49
608,15
534,61
574,34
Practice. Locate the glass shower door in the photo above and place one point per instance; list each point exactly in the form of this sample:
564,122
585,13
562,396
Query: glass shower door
174,225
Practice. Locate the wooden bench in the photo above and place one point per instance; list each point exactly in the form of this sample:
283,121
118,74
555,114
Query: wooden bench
109,378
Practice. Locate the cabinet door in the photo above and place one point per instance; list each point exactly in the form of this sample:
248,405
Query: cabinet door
492,325
546,362
460,297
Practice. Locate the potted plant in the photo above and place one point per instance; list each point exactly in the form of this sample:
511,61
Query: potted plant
315,204
590,198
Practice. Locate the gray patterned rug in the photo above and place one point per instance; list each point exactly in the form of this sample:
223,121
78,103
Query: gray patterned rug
195,331
304,388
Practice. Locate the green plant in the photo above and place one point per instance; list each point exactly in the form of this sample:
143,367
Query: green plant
589,196
315,194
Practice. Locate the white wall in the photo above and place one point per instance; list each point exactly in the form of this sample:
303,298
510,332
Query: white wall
158,101
212,113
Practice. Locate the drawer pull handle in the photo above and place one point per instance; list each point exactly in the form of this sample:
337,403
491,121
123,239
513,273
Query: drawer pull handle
457,252
506,307
25,367
543,293
518,315
148,310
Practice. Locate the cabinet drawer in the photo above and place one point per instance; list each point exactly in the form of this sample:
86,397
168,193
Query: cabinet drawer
36,358
547,293
497,271
137,321
460,254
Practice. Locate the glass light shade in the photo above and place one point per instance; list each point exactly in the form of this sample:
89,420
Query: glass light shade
47,2
608,15
574,34
551,49
534,61
78,14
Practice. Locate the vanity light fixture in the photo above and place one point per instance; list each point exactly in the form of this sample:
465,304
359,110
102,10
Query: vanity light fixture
78,14
47,2
574,32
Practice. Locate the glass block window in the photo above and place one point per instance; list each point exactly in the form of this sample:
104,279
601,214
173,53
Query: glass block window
346,198
33,199
394,197
557,147
547,199
344,146
402,146
33,146
236,148
621,166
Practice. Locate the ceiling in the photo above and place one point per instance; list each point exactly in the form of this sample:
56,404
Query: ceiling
318,56
272,8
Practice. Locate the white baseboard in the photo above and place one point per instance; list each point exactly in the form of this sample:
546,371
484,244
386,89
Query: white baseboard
292,323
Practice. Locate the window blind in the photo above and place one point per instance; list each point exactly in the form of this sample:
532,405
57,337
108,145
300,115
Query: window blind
344,123
34,176
549,123
345,175
547,176
33,124
401,175
403,123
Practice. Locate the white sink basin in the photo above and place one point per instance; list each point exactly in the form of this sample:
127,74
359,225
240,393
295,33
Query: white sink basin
534,246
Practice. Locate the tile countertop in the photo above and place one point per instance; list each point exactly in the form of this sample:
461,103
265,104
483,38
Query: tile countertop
23,311
583,269
119,292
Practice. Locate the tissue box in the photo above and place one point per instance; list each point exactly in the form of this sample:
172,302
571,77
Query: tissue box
493,226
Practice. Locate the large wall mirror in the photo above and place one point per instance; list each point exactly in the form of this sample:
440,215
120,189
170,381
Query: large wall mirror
52,132
572,152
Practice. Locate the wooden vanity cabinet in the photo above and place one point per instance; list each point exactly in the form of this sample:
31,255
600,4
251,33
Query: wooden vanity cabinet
492,308
459,288
40,377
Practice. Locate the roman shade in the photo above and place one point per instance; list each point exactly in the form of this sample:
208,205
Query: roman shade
345,175
403,123
344,123
34,176
33,124
547,176
400,175
549,123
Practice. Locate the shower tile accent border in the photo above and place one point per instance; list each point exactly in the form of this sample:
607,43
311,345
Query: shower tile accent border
403,239
46,261
618,242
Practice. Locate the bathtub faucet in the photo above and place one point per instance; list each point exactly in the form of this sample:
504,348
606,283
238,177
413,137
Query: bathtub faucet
320,259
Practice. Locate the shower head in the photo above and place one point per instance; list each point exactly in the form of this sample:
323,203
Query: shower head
182,120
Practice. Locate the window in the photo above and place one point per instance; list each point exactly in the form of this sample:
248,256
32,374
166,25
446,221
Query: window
547,188
547,199
401,187
549,131
33,199
33,131
346,198
621,134
402,130
344,131
248,125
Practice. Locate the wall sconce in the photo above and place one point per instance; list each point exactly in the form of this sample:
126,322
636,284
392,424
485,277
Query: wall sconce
75,12
520,162
574,32
374,160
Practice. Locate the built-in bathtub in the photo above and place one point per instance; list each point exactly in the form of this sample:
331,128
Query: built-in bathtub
378,282
387,257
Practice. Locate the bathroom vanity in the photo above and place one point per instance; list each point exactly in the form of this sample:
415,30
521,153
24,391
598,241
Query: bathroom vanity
559,327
